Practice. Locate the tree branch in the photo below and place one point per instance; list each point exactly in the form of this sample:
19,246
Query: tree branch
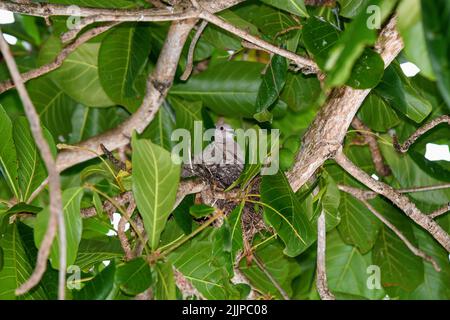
356,193
190,59
56,220
400,200
327,132
403,148
321,281
381,168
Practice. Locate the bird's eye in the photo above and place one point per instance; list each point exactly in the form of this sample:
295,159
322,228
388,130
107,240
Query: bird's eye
221,128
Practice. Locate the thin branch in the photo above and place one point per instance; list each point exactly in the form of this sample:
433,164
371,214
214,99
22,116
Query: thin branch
321,281
58,61
400,200
307,65
190,58
403,148
439,212
381,168
399,234
121,230
56,220
262,267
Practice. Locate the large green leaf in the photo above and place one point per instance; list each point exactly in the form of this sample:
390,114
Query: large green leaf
134,277
78,76
358,227
98,288
410,26
377,114
392,255
436,17
17,267
228,88
280,268
88,122
165,288
55,108
8,155
206,265
32,171
273,82
121,59
351,44
94,251
155,184
71,206
284,212
296,7
161,128
402,95
301,92
186,113
351,8
347,269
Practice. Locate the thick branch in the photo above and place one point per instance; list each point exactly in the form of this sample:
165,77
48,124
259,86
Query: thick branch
56,220
403,148
326,134
321,281
400,200
357,194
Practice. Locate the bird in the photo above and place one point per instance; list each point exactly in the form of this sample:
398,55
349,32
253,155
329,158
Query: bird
221,162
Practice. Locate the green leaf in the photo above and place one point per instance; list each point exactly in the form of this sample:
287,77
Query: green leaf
186,113
201,210
17,267
296,7
182,216
121,59
78,76
161,128
280,267
377,114
351,8
436,16
367,70
71,199
32,171
319,37
165,288
402,95
206,265
350,46
411,29
330,201
54,107
301,92
155,184
99,287
134,277
235,223
88,122
23,207
392,255
8,156
272,84
347,269
94,251
228,88
358,227
284,212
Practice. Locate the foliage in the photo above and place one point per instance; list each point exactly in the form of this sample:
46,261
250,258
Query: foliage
102,83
